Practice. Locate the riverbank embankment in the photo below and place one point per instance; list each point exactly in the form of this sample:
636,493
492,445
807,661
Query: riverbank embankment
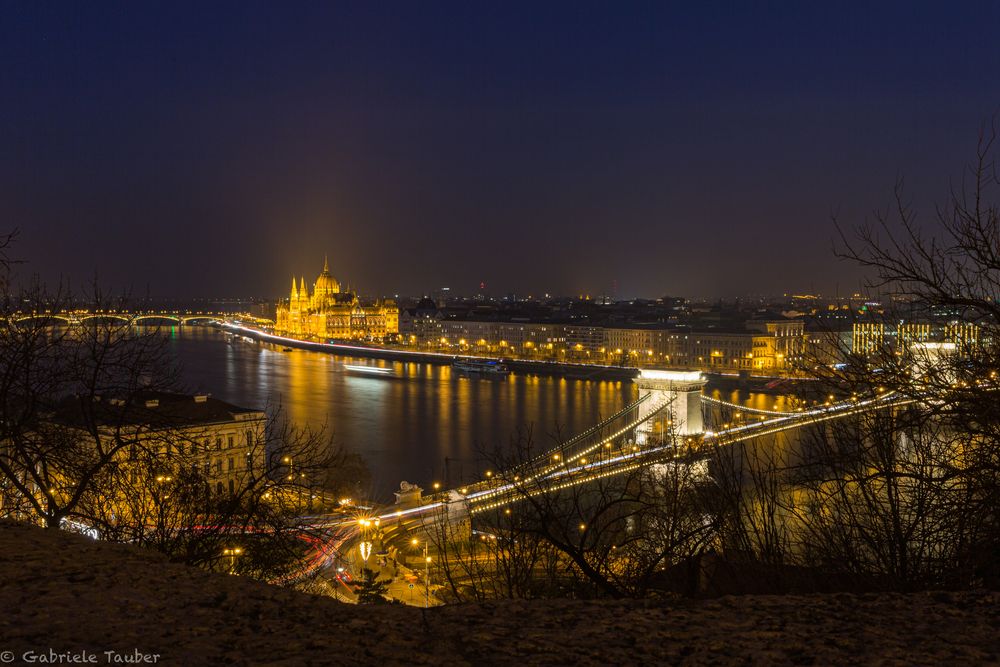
525,366
579,371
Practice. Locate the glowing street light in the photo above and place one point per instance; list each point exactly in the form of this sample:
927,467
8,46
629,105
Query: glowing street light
233,553
427,580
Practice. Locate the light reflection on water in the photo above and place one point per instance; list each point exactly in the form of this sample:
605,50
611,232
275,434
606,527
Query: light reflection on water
404,425
755,400
407,424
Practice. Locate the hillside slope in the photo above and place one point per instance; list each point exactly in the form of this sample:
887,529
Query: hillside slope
70,594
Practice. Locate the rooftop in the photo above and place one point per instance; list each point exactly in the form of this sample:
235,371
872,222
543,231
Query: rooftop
152,407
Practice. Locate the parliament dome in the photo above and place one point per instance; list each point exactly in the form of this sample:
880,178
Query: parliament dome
325,283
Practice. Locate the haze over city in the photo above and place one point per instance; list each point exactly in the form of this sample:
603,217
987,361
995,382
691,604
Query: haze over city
215,150
517,333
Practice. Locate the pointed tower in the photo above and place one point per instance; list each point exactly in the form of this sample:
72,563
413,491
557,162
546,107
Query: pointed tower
290,321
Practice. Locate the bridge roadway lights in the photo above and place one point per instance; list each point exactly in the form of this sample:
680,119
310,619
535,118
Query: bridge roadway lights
681,390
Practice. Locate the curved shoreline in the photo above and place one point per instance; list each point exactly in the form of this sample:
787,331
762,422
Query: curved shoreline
724,381
524,366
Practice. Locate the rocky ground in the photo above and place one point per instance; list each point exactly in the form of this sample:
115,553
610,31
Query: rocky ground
67,597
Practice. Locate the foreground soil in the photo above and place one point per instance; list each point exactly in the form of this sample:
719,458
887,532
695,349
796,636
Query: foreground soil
63,594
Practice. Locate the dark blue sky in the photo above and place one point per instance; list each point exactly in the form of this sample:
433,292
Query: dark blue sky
215,148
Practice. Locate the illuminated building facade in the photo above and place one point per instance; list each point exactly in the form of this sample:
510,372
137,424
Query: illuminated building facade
221,443
869,338
328,312
909,334
160,437
759,347
963,334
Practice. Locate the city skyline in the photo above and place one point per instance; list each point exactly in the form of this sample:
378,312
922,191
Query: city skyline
530,327
203,151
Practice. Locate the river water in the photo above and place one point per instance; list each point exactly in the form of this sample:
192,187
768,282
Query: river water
423,423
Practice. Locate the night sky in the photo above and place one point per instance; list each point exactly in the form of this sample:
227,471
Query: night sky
213,149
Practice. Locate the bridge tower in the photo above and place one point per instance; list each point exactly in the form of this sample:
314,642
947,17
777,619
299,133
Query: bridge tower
681,391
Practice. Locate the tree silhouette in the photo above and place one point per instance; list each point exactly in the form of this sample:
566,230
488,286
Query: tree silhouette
371,589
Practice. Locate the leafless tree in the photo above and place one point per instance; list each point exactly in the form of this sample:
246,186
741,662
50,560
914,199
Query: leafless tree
909,494
82,447
159,500
498,559
747,504
887,502
614,534
57,434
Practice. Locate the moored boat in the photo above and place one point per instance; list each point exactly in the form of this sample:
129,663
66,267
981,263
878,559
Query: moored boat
487,367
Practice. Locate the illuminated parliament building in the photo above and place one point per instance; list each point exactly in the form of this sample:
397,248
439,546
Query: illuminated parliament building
329,312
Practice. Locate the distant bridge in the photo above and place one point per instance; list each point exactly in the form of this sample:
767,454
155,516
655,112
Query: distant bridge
81,316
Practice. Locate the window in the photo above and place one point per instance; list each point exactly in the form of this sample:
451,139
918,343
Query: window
232,464
232,487
218,488
231,442
218,442
193,448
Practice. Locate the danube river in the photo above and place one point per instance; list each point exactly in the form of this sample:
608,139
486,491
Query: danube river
406,425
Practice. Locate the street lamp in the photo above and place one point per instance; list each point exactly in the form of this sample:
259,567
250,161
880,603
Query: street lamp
427,579
233,553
